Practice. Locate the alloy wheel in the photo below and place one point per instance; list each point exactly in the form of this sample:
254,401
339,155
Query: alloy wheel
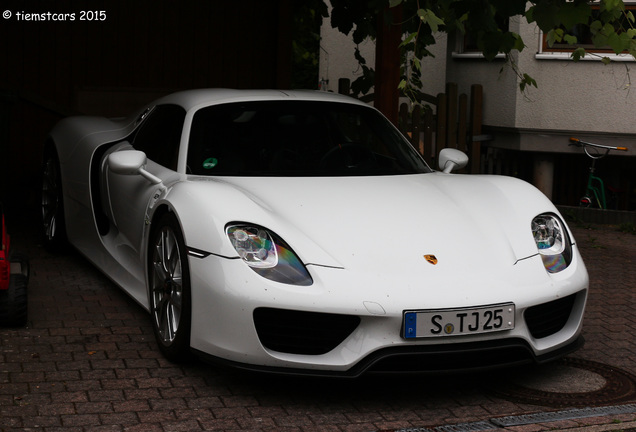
167,285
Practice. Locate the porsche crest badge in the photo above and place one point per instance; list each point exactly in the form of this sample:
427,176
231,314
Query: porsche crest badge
432,259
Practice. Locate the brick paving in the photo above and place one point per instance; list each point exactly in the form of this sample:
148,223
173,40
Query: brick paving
87,361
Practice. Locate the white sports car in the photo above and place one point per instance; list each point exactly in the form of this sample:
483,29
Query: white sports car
298,231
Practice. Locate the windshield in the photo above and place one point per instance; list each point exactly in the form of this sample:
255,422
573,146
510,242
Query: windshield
297,138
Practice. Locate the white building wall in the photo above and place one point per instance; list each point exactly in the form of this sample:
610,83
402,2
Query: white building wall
586,98
499,86
578,96
434,68
570,96
337,56
337,59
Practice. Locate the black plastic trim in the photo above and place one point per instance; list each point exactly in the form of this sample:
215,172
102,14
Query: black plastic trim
365,366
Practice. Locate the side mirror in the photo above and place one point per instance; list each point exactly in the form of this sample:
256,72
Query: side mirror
451,159
130,162
126,162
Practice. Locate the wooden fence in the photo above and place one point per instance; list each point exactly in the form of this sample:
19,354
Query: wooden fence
445,120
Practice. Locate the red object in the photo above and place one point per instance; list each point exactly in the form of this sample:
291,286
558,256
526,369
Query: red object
5,265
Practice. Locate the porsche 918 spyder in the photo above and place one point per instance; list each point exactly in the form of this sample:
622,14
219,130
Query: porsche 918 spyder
299,231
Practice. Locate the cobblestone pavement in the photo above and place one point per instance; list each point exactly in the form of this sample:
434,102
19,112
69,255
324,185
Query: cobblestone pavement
87,361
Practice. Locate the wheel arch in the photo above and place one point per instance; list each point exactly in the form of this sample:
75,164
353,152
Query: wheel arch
50,148
55,239
161,210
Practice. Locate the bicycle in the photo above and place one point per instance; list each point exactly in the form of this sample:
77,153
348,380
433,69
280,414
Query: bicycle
595,190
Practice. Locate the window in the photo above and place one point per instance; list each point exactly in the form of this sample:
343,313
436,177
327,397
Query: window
160,134
584,36
297,139
467,44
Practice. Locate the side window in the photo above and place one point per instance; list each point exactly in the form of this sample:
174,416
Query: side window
160,134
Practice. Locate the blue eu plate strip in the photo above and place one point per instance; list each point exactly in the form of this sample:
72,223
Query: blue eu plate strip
410,325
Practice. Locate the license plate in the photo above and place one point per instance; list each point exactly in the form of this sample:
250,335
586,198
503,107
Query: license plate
456,322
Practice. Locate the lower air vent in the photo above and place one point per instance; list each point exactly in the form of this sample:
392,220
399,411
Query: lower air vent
297,332
548,318
453,357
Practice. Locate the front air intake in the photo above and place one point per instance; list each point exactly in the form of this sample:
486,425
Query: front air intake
548,318
298,332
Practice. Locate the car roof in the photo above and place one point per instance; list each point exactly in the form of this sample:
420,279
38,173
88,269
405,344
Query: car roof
190,99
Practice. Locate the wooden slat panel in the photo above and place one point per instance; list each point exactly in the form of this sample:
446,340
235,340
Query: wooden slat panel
416,128
202,60
154,43
451,115
476,107
429,124
452,125
462,122
144,47
442,122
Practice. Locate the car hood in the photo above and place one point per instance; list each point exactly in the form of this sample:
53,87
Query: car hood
392,222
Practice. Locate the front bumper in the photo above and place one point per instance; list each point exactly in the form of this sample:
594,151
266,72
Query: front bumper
438,359
244,320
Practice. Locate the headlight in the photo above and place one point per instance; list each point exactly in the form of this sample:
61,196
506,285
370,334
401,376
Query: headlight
267,254
552,242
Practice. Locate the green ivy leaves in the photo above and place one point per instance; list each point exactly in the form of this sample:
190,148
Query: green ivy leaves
611,27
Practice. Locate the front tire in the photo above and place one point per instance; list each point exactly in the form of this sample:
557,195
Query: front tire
169,289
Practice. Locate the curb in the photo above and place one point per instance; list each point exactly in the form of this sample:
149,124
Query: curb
598,216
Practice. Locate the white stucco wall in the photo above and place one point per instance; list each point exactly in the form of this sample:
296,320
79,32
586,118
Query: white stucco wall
434,68
571,96
337,59
337,56
499,86
580,96
587,99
